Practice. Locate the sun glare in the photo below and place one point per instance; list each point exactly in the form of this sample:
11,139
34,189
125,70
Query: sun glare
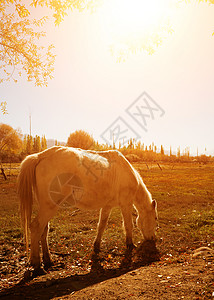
134,25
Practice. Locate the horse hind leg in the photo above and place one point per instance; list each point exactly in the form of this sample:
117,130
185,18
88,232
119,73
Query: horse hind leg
103,219
36,231
39,230
45,250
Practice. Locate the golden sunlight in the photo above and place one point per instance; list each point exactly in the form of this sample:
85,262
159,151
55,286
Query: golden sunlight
130,26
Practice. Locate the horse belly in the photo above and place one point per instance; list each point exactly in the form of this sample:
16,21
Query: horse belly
89,202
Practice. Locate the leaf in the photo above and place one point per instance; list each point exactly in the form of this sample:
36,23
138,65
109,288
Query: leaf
3,107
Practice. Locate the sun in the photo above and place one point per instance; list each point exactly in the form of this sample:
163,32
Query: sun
134,25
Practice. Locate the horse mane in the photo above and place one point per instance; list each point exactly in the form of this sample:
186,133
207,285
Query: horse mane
143,197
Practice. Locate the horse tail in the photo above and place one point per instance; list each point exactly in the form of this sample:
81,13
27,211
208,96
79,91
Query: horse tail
26,190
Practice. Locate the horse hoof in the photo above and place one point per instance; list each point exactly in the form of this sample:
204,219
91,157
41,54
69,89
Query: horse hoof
96,248
38,272
48,265
130,247
27,276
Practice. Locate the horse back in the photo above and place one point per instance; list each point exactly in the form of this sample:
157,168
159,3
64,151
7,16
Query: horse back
98,177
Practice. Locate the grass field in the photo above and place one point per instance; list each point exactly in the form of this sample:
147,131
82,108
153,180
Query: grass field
185,196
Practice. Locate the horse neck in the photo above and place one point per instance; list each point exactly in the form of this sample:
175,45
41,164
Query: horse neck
143,198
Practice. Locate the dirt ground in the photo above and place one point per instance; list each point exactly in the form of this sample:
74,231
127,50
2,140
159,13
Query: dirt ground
187,278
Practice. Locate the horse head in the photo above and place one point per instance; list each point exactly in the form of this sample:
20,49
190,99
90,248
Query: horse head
147,221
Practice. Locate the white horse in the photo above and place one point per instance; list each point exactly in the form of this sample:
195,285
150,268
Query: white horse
65,176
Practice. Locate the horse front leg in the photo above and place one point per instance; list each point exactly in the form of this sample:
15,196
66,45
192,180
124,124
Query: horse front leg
45,250
128,225
103,219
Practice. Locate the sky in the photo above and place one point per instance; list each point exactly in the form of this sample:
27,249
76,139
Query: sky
166,98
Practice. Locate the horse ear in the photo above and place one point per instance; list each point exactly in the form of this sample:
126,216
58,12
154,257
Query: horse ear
154,203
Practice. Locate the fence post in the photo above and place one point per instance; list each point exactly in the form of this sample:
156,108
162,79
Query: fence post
2,171
159,166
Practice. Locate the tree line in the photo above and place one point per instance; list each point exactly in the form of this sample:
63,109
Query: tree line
14,147
33,144
136,151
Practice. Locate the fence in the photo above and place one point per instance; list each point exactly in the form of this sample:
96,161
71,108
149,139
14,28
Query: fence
9,169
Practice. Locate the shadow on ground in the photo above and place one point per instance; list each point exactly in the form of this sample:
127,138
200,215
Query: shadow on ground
145,254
